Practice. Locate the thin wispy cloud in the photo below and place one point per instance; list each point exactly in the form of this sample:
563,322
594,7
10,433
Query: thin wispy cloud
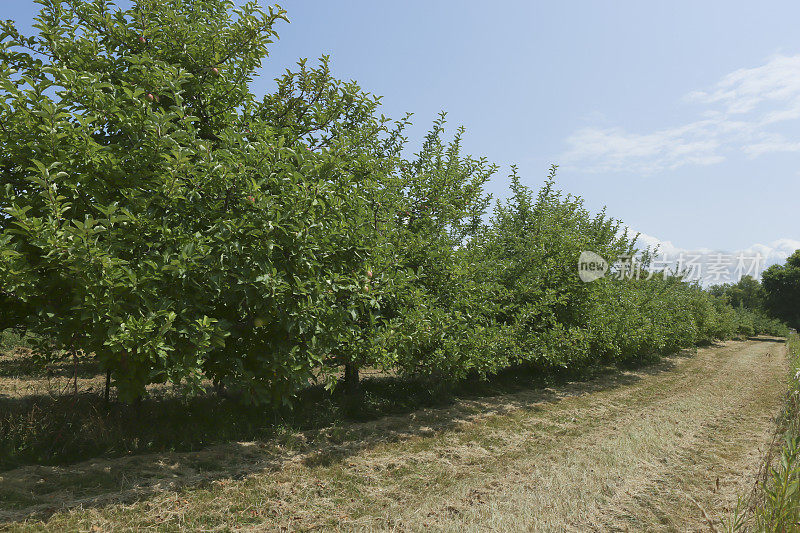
738,114
745,90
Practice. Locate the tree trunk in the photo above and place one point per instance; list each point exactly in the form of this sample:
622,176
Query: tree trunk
108,385
350,377
75,372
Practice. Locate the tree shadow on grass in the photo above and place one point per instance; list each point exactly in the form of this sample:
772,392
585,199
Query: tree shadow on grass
779,340
21,363
167,443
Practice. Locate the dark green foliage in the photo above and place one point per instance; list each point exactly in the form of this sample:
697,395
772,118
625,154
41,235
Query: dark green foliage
782,290
751,314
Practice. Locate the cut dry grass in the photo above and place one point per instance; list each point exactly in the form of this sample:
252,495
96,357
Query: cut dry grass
638,450
774,503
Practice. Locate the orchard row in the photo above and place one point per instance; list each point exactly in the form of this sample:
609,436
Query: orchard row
163,219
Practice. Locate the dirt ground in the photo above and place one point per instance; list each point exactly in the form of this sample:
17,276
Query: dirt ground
669,447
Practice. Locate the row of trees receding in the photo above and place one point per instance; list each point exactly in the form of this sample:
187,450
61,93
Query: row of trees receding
161,218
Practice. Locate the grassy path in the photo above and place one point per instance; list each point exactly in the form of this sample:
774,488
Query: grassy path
652,449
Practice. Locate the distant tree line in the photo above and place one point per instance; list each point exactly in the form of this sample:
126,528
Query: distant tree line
777,295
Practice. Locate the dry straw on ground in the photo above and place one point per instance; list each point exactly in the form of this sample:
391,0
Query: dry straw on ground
652,449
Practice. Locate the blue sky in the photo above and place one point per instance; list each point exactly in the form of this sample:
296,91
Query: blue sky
682,117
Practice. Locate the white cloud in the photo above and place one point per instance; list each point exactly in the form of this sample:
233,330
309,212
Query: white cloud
614,149
775,252
771,144
744,90
739,111
664,247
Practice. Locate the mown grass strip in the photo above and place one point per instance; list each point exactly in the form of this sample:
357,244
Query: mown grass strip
775,504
